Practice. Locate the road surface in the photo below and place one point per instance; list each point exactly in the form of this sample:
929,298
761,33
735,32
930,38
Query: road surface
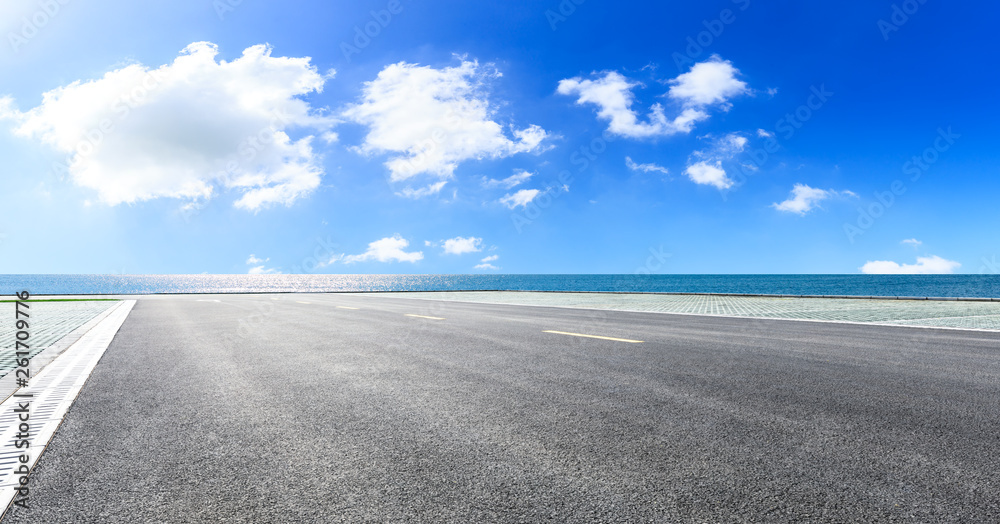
341,408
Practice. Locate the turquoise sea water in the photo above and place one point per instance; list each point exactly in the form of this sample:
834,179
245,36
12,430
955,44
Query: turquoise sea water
855,285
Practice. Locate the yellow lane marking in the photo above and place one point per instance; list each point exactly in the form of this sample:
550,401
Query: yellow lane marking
345,307
301,302
422,316
595,336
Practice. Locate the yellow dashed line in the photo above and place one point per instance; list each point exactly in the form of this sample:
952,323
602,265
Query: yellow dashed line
422,316
301,302
345,307
595,336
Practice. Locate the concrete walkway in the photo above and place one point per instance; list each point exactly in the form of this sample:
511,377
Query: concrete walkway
914,313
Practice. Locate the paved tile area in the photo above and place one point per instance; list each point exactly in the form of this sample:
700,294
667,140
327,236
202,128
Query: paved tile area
49,322
923,313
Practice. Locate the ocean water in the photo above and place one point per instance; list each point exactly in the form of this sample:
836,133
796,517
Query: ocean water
855,285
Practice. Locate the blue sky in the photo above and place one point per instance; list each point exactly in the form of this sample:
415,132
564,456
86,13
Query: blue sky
530,137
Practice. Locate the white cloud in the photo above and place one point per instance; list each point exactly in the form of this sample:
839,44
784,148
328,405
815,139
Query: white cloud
804,199
186,128
711,82
613,95
709,174
764,133
932,265
431,189
388,249
460,245
521,198
519,177
724,148
706,166
486,265
913,242
645,168
434,119
260,269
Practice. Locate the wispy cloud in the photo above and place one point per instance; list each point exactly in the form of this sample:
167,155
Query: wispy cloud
431,189
521,198
486,265
258,266
645,168
804,199
519,177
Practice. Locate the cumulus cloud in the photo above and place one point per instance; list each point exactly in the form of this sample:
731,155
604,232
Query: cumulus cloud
491,258
519,177
645,168
711,82
521,198
184,129
433,119
708,83
932,265
706,166
804,199
613,96
913,242
460,245
709,174
388,249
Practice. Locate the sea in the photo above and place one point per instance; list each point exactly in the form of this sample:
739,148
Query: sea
971,286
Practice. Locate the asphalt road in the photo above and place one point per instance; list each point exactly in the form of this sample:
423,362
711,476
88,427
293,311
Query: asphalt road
251,409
